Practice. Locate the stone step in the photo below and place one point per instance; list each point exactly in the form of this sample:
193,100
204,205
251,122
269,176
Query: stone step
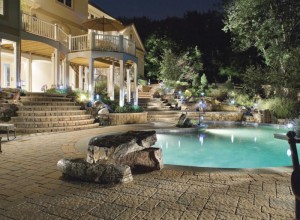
53,124
169,119
48,108
50,118
174,112
40,94
50,113
56,129
44,98
50,103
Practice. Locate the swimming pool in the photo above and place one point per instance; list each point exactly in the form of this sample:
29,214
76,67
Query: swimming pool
226,147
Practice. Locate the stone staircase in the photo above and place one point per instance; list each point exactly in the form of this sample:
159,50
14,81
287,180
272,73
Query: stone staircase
43,112
153,104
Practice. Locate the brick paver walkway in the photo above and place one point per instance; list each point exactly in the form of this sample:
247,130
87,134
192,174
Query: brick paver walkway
32,188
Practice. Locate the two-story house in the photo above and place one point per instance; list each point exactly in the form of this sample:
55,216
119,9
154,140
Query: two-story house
48,43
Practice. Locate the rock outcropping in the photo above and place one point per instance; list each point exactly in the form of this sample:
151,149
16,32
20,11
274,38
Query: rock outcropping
110,158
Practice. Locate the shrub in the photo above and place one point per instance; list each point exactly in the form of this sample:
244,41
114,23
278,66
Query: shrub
142,82
217,93
187,93
244,100
281,107
128,109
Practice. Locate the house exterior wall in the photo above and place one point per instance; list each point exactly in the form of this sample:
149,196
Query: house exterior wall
41,73
44,67
9,21
69,18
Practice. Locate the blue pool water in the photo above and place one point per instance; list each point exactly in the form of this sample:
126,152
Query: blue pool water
228,147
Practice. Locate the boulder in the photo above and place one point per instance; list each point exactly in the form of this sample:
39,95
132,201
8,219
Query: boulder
99,172
184,121
148,159
111,147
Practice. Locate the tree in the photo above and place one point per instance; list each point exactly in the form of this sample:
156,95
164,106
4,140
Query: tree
169,68
270,26
155,47
191,64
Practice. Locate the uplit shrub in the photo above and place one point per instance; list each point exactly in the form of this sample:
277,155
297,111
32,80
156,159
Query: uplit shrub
244,100
281,107
217,93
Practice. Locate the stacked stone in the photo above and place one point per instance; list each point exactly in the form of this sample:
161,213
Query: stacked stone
111,158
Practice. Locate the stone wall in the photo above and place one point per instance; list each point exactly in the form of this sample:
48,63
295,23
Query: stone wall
217,116
127,118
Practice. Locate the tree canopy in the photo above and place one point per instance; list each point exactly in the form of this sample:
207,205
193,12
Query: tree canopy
273,28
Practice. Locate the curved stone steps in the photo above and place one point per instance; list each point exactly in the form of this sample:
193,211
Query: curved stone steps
48,108
42,112
48,103
50,113
51,124
55,129
51,118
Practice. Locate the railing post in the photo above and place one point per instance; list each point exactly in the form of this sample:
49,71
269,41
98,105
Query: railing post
121,47
295,178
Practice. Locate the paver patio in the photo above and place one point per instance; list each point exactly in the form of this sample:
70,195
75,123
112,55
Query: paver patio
32,188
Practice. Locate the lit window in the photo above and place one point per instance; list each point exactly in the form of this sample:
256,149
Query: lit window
66,2
1,7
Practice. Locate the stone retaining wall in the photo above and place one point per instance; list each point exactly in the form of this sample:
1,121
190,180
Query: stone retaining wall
217,116
127,118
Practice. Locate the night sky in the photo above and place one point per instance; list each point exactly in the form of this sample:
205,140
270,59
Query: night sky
154,9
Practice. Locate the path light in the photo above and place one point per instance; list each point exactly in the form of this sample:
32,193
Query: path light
290,125
97,97
82,97
202,93
232,102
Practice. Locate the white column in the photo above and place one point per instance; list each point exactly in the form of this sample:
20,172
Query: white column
91,78
57,67
128,85
53,71
17,64
80,83
30,73
122,70
111,81
67,72
135,80
86,79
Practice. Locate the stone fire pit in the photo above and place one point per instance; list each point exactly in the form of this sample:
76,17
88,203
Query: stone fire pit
111,158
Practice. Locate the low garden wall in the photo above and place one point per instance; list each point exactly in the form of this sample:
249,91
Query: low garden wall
127,118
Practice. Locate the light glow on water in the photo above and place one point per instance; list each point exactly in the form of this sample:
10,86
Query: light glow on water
238,147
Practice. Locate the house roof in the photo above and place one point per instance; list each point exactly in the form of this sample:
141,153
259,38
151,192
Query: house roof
140,43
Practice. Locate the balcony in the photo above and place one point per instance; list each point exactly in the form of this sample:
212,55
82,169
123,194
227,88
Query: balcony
90,41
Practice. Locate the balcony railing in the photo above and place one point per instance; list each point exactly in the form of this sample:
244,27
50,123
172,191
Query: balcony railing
102,42
90,41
